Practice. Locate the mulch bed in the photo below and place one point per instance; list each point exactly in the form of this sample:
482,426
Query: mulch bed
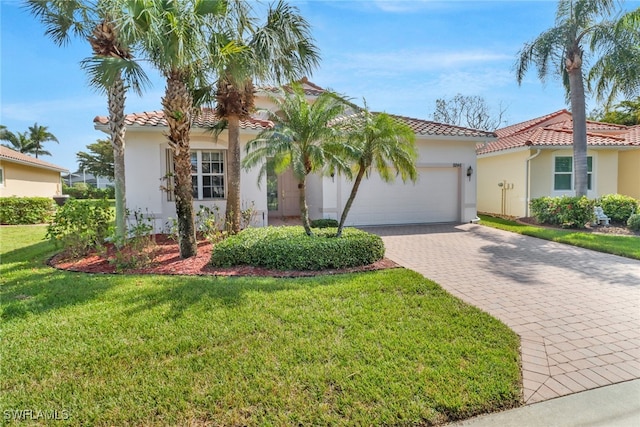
165,259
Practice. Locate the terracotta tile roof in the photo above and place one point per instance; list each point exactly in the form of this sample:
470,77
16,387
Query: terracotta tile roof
426,127
9,155
556,129
207,118
560,115
591,125
633,136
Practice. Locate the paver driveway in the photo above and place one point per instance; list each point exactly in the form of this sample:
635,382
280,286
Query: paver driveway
577,311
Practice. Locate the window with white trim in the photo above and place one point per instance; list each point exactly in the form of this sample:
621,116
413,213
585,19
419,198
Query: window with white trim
1,177
207,174
563,173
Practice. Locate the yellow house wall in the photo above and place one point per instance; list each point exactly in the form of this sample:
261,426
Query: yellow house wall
629,173
27,181
509,170
605,167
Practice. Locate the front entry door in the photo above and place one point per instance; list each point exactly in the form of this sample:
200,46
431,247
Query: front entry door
283,194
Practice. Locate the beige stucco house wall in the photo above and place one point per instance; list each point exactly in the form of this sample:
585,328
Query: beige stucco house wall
24,176
629,173
501,183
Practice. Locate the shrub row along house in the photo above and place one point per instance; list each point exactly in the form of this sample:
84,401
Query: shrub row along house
25,176
444,192
535,158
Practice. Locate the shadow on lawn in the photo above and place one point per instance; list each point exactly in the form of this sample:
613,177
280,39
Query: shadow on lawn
180,293
30,286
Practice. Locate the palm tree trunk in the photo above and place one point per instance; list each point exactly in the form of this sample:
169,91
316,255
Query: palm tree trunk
178,105
116,97
576,88
352,197
304,209
233,210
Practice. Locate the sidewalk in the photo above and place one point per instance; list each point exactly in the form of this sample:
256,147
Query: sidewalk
612,406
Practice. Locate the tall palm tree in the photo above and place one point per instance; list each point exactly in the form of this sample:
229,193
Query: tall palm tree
281,50
112,68
580,25
19,141
379,142
301,140
38,135
174,37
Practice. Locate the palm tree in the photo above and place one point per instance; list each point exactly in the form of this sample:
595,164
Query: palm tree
301,140
38,135
617,72
173,35
379,142
580,25
111,66
19,141
281,51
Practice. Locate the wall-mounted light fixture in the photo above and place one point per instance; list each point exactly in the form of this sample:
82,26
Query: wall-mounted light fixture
469,172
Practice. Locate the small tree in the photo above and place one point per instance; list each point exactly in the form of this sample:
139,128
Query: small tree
379,142
301,140
98,160
468,111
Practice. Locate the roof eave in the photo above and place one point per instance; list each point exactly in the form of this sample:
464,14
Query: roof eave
33,165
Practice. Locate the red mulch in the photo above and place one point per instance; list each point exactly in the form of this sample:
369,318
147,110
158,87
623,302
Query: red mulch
165,259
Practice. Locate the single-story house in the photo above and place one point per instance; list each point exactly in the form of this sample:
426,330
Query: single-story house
25,176
444,192
535,158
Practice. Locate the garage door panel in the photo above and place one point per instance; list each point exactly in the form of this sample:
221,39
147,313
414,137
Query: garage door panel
433,198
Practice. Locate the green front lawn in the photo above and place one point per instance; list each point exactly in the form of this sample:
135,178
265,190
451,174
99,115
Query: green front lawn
627,246
387,347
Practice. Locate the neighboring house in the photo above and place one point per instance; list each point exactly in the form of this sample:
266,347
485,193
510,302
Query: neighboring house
25,176
444,192
535,158
87,178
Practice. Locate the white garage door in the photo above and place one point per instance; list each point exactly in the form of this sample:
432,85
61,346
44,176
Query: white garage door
435,197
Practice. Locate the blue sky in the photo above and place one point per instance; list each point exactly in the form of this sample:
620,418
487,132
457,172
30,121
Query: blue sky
398,55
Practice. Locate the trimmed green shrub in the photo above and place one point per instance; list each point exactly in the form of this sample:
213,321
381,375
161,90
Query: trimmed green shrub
324,223
565,211
634,222
80,226
618,207
80,190
26,210
289,248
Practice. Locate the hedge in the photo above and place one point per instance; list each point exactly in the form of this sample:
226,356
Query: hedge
289,248
26,210
618,207
568,212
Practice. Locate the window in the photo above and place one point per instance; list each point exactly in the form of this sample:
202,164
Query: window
563,173
1,177
207,174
